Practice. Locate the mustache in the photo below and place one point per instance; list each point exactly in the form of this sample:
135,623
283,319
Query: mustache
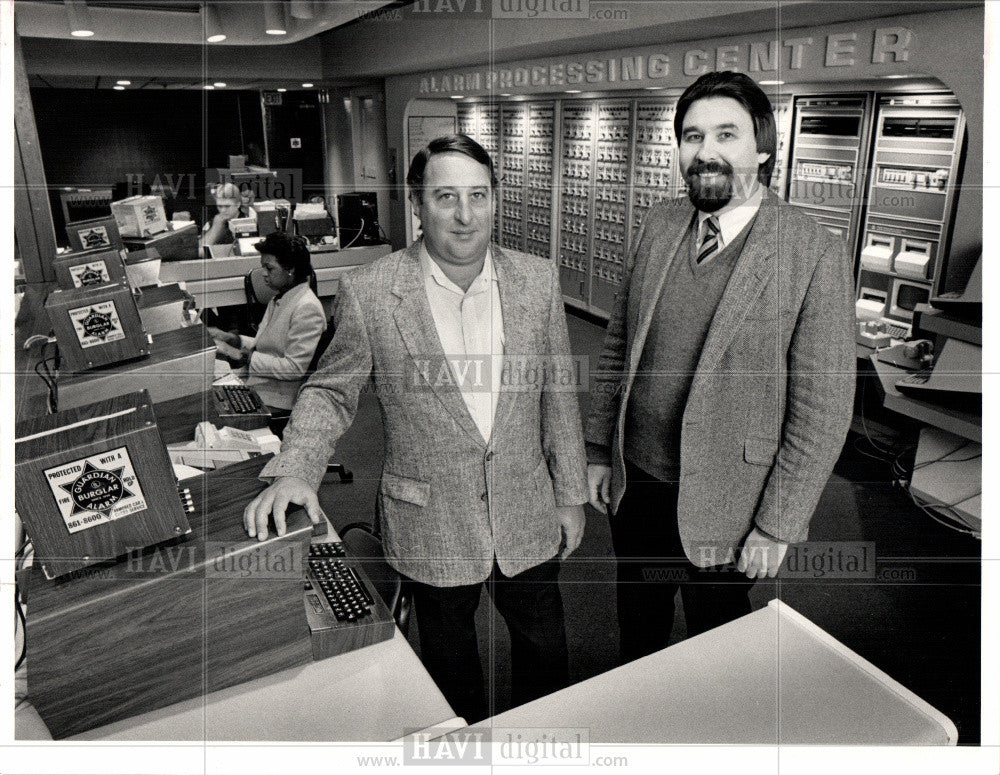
709,168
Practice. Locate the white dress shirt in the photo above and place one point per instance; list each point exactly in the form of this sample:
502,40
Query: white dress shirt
470,327
731,222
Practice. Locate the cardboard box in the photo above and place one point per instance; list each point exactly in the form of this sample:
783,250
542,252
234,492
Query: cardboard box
139,216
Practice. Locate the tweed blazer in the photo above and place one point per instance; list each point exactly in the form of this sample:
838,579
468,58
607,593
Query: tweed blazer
448,501
772,396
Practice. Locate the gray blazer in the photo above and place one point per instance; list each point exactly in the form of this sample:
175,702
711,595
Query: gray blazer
448,502
772,396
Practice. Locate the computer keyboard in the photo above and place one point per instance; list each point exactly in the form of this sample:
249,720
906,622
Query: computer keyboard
897,332
344,592
238,399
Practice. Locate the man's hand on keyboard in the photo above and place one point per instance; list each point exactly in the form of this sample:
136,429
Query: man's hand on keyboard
275,500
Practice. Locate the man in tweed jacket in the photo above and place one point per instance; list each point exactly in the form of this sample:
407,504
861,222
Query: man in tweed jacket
725,385
484,477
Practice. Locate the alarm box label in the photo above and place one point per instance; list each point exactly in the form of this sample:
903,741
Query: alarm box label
93,273
96,490
94,237
97,324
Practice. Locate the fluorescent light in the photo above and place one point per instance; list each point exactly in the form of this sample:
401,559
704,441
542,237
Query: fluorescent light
219,85
895,76
79,19
123,83
457,96
653,88
771,83
282,90
572,91
307,86
118,88
274,18
213,25
208,87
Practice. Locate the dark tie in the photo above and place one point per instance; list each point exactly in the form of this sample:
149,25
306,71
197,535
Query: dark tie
710,242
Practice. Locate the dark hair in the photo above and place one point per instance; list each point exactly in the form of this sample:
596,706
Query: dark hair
462,144
290,251
745,91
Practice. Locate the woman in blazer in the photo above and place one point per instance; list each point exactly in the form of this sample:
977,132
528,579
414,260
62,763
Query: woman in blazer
276,360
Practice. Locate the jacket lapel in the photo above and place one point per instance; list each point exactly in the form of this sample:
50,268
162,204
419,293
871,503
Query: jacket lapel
515,308
419,333
753,270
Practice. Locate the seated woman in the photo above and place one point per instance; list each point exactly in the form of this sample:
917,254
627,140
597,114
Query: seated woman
228,202
275,361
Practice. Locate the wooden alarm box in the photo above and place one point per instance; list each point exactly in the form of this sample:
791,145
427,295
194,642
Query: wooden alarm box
96,326
94,483
173,622
92,267
95,234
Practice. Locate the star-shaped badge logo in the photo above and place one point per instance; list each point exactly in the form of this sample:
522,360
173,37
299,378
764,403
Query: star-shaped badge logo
97,489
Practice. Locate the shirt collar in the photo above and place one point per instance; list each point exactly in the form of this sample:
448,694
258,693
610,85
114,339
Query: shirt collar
731,222
431,271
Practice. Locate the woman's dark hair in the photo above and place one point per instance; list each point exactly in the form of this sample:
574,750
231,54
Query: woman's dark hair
290,251
745,91
448,144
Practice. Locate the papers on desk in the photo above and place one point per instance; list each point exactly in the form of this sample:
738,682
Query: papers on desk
217,447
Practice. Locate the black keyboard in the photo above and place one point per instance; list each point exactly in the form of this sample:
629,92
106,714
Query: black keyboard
340,585
238,399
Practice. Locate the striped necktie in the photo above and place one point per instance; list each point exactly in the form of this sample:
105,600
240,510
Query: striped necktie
710,241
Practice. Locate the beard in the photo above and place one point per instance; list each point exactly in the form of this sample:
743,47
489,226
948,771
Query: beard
709,196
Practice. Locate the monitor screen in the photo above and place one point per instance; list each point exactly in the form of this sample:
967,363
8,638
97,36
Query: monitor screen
906,296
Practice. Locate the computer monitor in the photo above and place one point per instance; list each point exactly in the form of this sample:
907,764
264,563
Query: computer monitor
905,297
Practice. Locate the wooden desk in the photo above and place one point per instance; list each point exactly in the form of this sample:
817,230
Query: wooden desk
771,677
219,282
178,417
965,424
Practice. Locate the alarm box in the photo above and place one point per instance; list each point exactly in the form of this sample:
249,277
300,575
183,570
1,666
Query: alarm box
139,216
94,483
94,267
96,325
94,234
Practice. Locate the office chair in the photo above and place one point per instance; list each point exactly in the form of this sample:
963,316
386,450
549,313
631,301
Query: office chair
364,544
324,341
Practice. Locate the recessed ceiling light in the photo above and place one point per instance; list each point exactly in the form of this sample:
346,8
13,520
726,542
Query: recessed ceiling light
895,76
219,84
505,94
123,83
307,86
79,19
572,91
274,18
456,96
282,90
213,26
118,88
771,83
209,87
